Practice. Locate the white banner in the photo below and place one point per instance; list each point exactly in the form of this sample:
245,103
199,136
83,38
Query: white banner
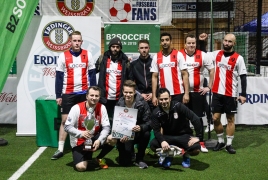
140,11
254,111
38,74
8,102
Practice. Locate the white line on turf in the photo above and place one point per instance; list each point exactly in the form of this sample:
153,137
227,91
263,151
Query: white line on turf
27,164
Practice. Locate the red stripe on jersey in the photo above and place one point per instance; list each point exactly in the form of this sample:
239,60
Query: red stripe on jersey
196,73
198,59
84,80
217,73
107,77
229,74
161,71
70,72
118,79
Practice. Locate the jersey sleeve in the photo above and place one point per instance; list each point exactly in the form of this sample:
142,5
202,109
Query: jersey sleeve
241,66
71,122
181,61
207,61
61,63
105,123
154,66
91,64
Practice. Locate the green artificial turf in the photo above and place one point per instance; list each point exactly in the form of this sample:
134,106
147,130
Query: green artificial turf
250,162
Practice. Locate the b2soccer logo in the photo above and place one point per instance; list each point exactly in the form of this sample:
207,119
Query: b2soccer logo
120,10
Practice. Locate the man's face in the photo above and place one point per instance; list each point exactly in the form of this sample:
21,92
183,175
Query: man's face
165,42
115,49
144,50
93,97
190,45
76,42
128,93
164,100
228,42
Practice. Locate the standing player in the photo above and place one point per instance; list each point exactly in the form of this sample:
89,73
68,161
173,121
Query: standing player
168,66
75,72
196,61
229,65
140,72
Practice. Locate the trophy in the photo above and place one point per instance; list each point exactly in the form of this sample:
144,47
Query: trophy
89,123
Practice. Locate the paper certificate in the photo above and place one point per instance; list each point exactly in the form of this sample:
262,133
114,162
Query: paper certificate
123,122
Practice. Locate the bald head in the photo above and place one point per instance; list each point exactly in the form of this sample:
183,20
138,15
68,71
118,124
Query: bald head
229,42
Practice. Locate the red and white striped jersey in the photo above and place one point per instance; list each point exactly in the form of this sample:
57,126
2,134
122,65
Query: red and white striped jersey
169,71
113,79
195,66
75,71
227,70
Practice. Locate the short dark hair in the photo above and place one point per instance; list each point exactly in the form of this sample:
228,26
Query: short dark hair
189,36
144,41
96,88
130,83
165,34
75,33
161,91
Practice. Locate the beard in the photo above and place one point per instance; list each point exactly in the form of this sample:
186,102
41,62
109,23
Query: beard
227,48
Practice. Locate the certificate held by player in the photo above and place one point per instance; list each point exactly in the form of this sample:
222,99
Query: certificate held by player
123,122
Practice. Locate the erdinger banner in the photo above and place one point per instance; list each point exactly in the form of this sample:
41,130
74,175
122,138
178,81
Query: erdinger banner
15,17
38,75
140,11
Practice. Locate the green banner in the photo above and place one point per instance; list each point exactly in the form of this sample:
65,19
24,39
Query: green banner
15,17
130,34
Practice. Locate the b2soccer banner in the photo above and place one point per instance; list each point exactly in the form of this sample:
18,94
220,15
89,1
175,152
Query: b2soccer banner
130,34
141,11
15,17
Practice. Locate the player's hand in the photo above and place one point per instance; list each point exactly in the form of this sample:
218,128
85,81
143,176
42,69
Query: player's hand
203,37
204,90
96,145
86,134
241,99
186,98
193,140
136,128
165,146
124,139
154,101
59,101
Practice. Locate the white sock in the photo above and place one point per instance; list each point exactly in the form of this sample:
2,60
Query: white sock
220,138
229,140
61,146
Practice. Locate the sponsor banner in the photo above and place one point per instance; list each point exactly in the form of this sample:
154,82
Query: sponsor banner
254,111
130,34
15,17
140,11
8,102
38,75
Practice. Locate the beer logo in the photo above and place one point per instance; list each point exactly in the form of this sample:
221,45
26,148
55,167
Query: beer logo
75,7
55,36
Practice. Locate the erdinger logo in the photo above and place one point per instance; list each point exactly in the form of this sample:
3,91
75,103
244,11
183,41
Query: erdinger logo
55,36
75,7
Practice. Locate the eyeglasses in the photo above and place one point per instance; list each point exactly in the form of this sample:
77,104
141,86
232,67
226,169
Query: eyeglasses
114,46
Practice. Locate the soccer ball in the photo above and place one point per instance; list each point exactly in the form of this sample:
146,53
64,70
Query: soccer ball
119,10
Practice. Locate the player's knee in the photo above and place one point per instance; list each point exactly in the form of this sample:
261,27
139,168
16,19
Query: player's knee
80,167
111,141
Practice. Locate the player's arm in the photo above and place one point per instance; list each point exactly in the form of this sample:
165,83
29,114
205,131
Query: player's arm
154,88
186,84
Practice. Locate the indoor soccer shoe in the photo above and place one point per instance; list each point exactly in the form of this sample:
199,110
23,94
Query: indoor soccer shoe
219,146
230,149
203,147
102,163
167,162
185,162
57,155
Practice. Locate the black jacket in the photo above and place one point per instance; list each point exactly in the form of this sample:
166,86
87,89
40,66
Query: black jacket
144,113
140,73
175,123
101,69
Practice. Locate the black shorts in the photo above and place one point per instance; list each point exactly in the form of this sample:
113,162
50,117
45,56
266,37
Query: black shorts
180,141
177,98
69,100
223,104
80,155
196,103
